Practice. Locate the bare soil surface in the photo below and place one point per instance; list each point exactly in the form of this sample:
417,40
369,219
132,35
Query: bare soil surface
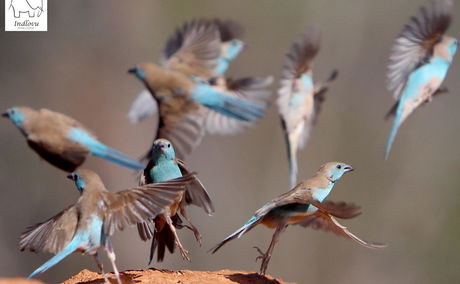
154,276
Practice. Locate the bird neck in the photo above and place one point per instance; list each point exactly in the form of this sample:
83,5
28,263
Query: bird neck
321,193
165,169
440,60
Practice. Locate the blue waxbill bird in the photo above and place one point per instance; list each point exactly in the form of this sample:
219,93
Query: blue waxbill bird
183,121
186,69
88,225
62,141
419,61
230,46
304,205
300,98
164,166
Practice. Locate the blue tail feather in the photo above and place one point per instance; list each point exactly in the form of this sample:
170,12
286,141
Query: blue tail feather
70,248
392,136
100,150
225,104
238,233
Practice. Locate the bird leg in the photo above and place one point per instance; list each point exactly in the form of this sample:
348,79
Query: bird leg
111,255
265,257
439,91
191,227
183,251
101,267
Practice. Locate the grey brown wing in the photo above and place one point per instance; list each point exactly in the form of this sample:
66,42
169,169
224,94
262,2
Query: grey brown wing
194,47
68,159
196,193
53,234
324,221
142,204
340,210
319,95
290,197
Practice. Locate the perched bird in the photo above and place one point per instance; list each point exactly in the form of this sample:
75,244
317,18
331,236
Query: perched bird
419,61
300,98
304,205
88,224
62,141
185,121
163,167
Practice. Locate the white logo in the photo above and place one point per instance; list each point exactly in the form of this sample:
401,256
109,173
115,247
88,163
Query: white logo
26,15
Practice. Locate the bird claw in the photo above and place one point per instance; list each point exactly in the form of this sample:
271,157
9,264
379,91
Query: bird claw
184,254
265,257
262,254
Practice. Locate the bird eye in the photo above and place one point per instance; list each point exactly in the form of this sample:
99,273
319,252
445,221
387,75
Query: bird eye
12,111
169,145
339,167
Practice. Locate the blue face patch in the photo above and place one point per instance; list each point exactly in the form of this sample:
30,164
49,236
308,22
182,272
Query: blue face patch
17,117
453,47
79,182
140,73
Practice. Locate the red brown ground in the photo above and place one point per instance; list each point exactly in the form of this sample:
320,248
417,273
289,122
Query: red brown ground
154,276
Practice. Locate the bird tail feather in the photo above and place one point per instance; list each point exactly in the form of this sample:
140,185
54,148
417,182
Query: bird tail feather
115,156
396,123
103,151
251,223
226,105
70,248
292,156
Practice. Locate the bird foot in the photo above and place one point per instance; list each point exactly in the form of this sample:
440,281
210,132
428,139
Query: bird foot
265,257
184,253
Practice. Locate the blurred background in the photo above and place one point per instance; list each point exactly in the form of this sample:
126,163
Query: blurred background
411,201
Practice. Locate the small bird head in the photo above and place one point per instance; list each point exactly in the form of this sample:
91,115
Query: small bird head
335,170
19,116
453,45
233,48
163,148
138,71
86,179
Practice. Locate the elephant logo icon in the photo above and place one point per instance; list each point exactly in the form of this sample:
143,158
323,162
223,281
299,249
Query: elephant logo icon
30,7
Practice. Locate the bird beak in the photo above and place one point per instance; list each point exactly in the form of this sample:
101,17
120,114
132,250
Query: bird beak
348,168
5,114
132,70
71,176
159,145
245,45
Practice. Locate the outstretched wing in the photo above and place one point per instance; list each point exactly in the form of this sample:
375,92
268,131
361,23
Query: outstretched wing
295,195
414,45
195,192
53,234
141,204
252,89
340,210
320,93
323,221
193,49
